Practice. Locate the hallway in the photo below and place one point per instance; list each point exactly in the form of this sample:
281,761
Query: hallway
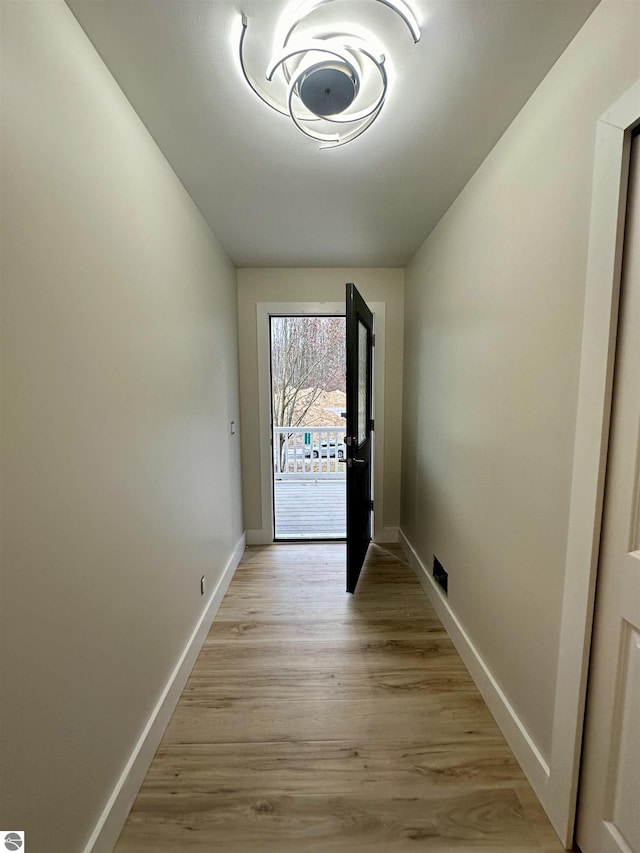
317,721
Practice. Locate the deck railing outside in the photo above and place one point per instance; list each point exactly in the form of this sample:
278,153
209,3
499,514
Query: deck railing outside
301,453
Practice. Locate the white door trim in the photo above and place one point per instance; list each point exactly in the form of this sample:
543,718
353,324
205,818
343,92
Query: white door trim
264,536
608,204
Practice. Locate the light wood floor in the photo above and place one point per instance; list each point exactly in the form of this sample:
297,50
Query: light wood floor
322,722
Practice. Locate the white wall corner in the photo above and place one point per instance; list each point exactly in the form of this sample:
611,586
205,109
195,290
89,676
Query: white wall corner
515,732
259,537
386,535
114,815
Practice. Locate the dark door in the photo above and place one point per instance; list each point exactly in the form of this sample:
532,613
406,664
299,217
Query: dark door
359,425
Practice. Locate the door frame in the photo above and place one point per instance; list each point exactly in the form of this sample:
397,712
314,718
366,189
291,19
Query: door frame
265,535
606,237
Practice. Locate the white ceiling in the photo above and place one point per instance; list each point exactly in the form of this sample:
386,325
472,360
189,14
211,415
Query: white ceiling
269,194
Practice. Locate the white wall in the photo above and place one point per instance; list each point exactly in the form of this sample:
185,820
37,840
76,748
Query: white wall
493,318
120,480
319,285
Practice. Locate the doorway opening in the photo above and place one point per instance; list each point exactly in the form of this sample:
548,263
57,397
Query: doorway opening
308,409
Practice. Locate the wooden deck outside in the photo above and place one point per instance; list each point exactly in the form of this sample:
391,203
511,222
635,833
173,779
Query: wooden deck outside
310,509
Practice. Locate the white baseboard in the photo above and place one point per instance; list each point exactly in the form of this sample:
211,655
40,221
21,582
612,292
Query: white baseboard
109,826
387,534
520,741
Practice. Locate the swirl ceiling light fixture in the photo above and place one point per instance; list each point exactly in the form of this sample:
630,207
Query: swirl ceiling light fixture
330,79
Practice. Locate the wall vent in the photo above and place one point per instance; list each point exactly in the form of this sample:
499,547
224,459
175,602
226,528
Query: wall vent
440,576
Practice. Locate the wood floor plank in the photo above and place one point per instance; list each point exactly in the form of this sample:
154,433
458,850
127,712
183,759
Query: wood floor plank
333,653
301,630
422,718
318,722
487,820
256,608
289,684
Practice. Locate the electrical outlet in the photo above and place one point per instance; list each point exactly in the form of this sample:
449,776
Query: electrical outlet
202,584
